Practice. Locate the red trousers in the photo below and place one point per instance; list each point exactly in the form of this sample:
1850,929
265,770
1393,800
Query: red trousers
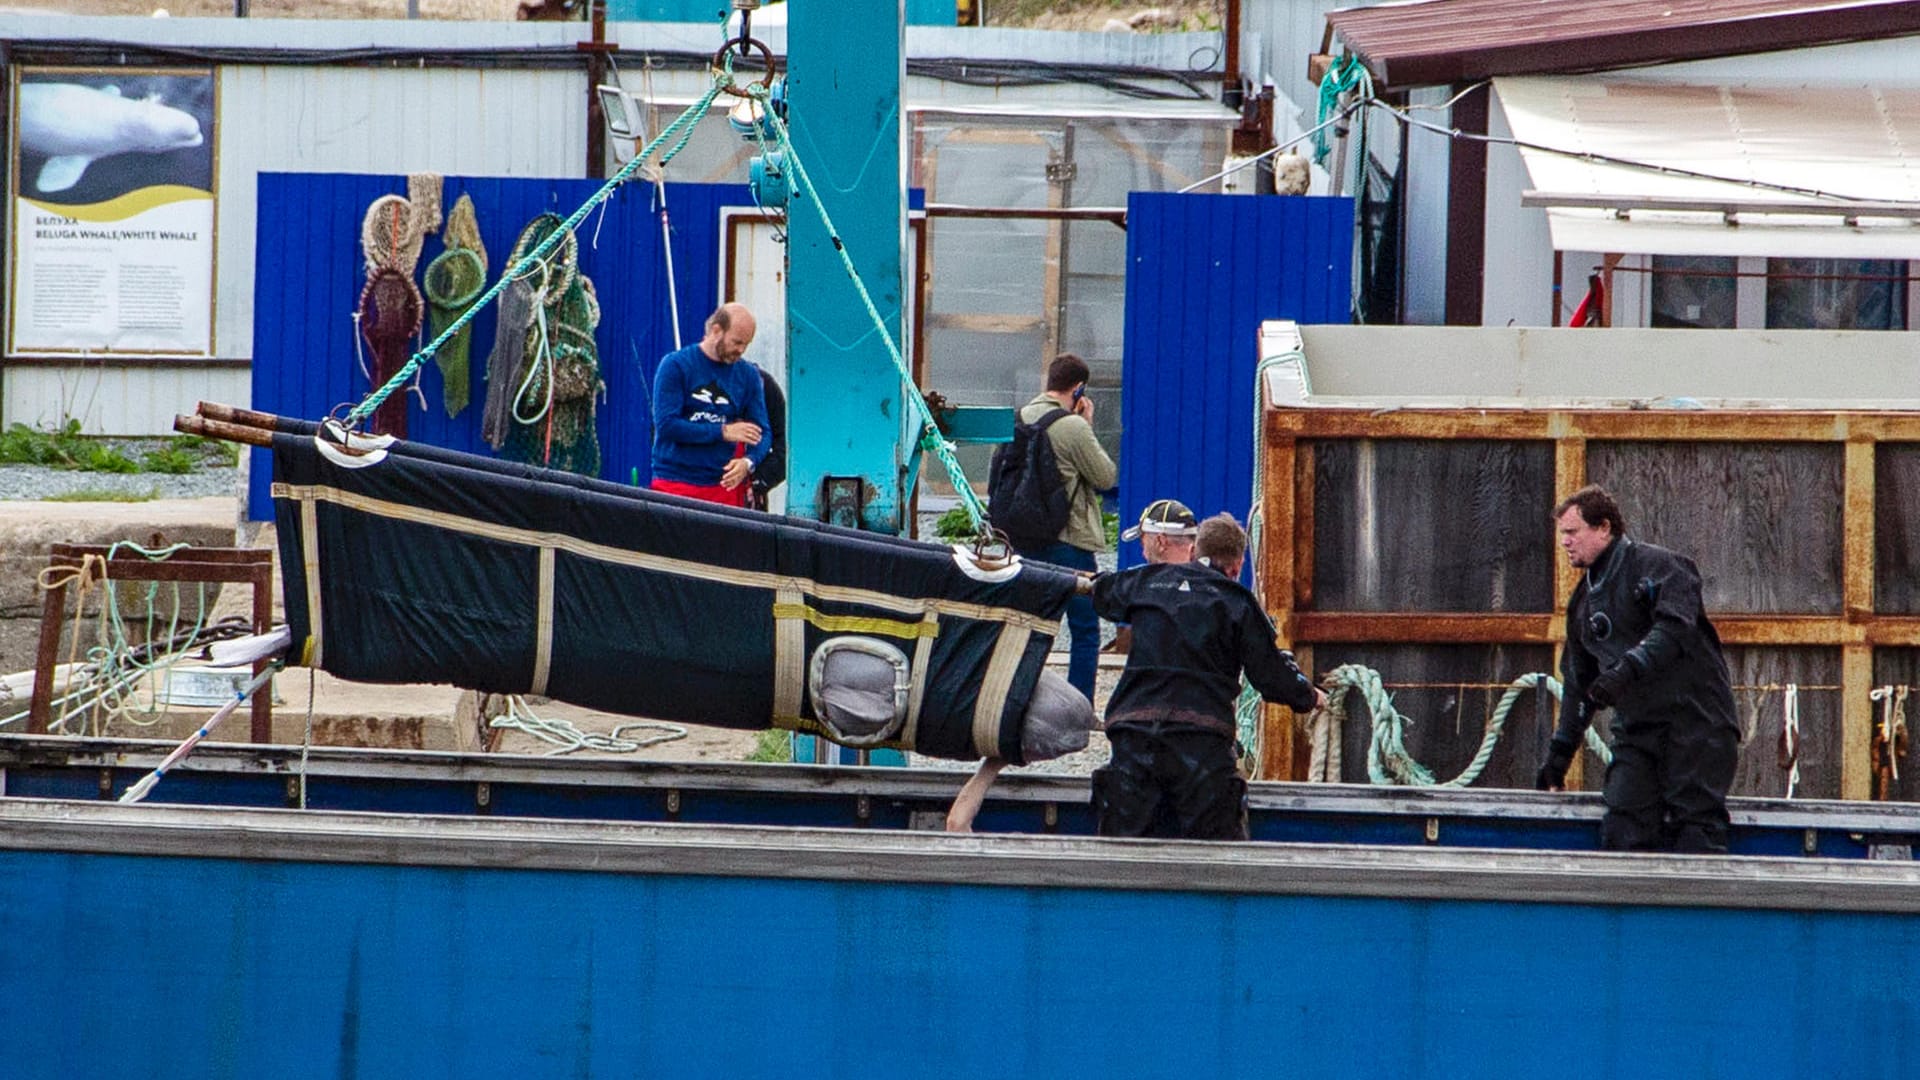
712,493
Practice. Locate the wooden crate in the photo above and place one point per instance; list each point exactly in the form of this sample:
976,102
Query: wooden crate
1421,538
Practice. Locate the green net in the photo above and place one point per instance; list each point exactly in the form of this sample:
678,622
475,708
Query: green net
557,384
454,280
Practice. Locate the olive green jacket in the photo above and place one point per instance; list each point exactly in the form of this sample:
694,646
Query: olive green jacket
1085,470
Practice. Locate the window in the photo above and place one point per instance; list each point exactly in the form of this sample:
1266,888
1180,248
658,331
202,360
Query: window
1836,294
1697,291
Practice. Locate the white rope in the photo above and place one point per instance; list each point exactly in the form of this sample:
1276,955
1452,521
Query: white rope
1893,722
306,739
567,738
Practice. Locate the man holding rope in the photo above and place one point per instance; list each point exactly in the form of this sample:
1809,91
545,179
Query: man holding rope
1174,772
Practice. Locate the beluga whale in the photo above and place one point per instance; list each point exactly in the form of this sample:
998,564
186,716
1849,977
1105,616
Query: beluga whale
75,126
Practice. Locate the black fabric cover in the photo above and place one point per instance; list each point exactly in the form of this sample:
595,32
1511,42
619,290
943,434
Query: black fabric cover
408,602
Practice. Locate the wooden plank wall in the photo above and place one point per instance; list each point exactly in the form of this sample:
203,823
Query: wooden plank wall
1420,546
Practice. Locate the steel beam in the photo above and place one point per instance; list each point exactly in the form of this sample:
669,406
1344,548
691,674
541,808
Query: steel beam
845,65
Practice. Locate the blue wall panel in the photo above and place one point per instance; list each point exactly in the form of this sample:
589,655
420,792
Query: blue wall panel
1203,271
310,276
167,968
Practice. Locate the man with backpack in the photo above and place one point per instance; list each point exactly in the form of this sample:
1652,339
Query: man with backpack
1044,493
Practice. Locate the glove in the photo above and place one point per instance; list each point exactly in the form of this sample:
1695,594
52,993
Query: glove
1606,689
1553,774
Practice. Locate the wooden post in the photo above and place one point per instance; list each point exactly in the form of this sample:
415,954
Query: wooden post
1569,476
40,709
262,704
1856,660
1279,543
1303,474
238,566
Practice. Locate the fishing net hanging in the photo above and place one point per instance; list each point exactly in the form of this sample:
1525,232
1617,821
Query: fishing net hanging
463,228
390,235
544,411
454,280
389,317
423,191
513,324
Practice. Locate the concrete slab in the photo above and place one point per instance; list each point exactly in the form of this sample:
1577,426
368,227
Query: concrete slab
29,529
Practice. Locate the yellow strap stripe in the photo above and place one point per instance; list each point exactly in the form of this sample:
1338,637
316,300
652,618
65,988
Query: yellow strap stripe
572,545
922,653
857,624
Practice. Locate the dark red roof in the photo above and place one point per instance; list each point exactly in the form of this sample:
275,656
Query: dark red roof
1449,41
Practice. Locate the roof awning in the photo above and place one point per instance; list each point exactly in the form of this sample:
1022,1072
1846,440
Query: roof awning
1668,168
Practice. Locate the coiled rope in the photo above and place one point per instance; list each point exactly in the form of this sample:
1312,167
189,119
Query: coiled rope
102,686
1388,761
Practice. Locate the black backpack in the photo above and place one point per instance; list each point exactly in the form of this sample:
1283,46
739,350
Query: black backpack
1026,499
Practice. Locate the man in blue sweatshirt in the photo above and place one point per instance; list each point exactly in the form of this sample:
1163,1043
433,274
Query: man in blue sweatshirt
710,414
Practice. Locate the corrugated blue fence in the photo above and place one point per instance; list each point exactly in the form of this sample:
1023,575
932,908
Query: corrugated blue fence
310,274
1203,271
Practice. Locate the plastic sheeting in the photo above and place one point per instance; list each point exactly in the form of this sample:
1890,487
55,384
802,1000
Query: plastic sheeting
1003,296
1754,145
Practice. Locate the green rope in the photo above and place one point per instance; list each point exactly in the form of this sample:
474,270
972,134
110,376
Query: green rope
1346,73
1388,761
930,438
682,127
115,674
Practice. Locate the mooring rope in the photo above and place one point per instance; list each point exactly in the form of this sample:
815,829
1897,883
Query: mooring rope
567,737
102,687
1388,761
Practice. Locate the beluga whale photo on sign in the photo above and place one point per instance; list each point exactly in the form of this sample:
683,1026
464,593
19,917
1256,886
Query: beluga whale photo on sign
113,186
72,125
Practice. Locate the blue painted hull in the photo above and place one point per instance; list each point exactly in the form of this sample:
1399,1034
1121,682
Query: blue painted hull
245,963
524,919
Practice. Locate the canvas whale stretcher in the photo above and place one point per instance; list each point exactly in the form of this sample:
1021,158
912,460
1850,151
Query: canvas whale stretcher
405,563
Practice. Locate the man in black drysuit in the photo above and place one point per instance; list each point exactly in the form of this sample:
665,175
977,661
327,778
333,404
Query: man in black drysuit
1170,720
1639,642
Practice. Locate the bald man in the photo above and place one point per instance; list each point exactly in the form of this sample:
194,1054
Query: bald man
710,414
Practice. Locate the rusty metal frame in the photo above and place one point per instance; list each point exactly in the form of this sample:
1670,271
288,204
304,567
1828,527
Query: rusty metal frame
240,566
1287,562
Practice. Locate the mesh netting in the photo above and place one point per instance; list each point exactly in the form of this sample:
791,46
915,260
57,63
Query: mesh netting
389,314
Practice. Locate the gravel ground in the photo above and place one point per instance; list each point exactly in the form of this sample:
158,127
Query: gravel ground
42,482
